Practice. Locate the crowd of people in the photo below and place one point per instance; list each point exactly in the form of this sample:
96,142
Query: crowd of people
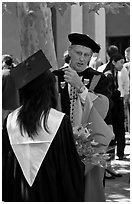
40,161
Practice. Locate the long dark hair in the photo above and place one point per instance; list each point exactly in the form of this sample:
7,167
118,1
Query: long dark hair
37,98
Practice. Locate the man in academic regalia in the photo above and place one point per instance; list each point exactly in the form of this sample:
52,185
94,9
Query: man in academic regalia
83,78
39,158
76,81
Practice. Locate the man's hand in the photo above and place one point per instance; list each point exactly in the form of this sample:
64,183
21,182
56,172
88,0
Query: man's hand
72,78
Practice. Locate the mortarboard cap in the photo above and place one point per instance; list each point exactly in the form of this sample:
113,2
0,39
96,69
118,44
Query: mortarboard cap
30,69
84,40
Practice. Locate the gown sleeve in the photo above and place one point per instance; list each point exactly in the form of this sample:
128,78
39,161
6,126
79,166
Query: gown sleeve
72,169
60,177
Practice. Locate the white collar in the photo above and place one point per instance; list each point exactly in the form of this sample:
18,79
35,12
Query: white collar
31,153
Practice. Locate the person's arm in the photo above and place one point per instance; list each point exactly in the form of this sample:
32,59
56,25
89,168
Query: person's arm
125,85
125,81
71,169
73,79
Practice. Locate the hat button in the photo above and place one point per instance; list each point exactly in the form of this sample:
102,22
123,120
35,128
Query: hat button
28,66
33,58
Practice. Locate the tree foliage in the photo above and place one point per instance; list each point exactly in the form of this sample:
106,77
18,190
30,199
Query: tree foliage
61,7
113,7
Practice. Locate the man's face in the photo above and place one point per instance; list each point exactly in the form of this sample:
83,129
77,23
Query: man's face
119,64
80,56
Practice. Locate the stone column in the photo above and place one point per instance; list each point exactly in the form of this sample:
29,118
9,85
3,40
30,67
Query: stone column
100,32
76,19
94,26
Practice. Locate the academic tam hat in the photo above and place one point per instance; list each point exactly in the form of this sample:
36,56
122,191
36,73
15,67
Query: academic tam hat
84,40
30,69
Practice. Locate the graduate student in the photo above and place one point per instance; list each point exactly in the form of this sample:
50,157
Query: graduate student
39,159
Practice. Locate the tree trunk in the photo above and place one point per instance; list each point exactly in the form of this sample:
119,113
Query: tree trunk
35,27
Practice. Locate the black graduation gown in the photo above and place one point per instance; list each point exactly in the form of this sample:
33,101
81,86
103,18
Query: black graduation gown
103,86
60,177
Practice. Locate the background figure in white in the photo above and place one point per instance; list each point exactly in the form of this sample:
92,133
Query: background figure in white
95,61
127,98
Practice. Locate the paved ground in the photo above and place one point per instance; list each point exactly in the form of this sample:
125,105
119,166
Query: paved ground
118,189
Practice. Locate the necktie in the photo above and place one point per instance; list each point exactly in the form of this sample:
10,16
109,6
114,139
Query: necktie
116,80
73,99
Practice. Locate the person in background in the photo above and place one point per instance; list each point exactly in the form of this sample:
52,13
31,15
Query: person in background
112,49
113,72
124,87
66,58
127,54
95,61
75,82
9,61
39,158
10,95
110,172
98,63
127,99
